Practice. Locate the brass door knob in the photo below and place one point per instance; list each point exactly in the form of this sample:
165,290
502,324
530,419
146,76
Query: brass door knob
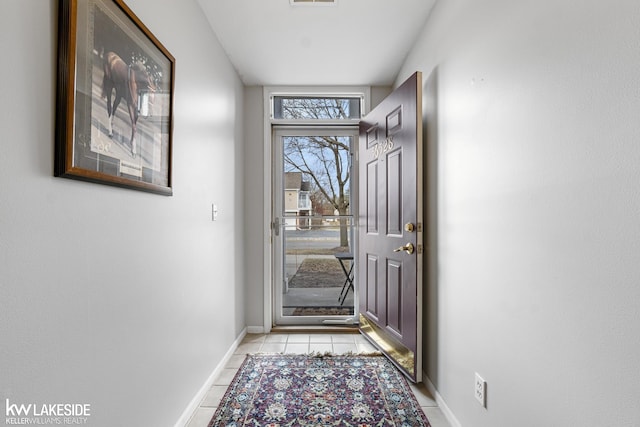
408,248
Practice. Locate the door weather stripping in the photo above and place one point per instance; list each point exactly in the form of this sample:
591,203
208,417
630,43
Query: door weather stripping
313,2
349,321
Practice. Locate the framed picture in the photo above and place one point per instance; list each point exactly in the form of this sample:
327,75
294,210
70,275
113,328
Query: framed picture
114,98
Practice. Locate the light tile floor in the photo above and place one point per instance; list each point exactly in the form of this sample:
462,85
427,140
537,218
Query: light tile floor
299,343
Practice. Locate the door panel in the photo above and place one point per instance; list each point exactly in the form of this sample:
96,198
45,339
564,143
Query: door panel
391,198
394,193
394,298
372,198
372,299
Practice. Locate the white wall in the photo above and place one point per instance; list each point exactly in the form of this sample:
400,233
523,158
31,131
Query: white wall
532,122
120,299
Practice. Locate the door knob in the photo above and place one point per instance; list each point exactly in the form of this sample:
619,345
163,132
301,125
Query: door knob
408,248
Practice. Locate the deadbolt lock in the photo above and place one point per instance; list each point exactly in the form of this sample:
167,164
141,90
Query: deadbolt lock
410,227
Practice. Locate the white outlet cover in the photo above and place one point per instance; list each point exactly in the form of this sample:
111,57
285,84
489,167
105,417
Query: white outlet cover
480,390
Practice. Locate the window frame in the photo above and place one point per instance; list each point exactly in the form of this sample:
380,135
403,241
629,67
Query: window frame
269,126
361,92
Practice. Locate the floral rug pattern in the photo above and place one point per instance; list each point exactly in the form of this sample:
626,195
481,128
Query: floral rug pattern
307,390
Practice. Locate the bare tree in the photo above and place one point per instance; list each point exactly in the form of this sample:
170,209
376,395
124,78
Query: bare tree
314,108
325,160
327,163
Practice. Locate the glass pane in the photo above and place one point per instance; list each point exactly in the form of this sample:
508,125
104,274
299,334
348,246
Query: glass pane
316,108
317,175
317,226
316,269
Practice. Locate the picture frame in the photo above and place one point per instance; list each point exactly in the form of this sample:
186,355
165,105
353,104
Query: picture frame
115,84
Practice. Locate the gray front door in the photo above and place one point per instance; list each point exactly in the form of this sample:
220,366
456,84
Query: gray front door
390,226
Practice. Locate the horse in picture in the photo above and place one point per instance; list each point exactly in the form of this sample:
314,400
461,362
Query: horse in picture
128,81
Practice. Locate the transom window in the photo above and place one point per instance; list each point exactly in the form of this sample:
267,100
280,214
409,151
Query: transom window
317,107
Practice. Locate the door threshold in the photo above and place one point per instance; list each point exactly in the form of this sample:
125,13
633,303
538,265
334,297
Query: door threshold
320,329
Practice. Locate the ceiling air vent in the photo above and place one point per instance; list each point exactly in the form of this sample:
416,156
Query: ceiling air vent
313,2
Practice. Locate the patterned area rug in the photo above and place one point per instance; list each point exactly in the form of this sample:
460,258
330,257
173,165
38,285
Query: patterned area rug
302,390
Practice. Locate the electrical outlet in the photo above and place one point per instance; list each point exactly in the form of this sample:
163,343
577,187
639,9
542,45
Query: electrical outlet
481,390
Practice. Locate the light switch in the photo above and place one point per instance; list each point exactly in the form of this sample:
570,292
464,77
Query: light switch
214,212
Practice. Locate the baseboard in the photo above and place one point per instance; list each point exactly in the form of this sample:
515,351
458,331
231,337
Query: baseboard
440,401
195,402
255,329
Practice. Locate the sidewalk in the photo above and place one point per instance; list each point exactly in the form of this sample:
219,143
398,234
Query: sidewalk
310,294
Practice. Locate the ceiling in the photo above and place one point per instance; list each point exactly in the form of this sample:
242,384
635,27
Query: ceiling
355,42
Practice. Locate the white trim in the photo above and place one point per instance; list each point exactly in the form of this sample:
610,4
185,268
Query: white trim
255,330
268,93
362,92
266,216
448,414
280,132
195,402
